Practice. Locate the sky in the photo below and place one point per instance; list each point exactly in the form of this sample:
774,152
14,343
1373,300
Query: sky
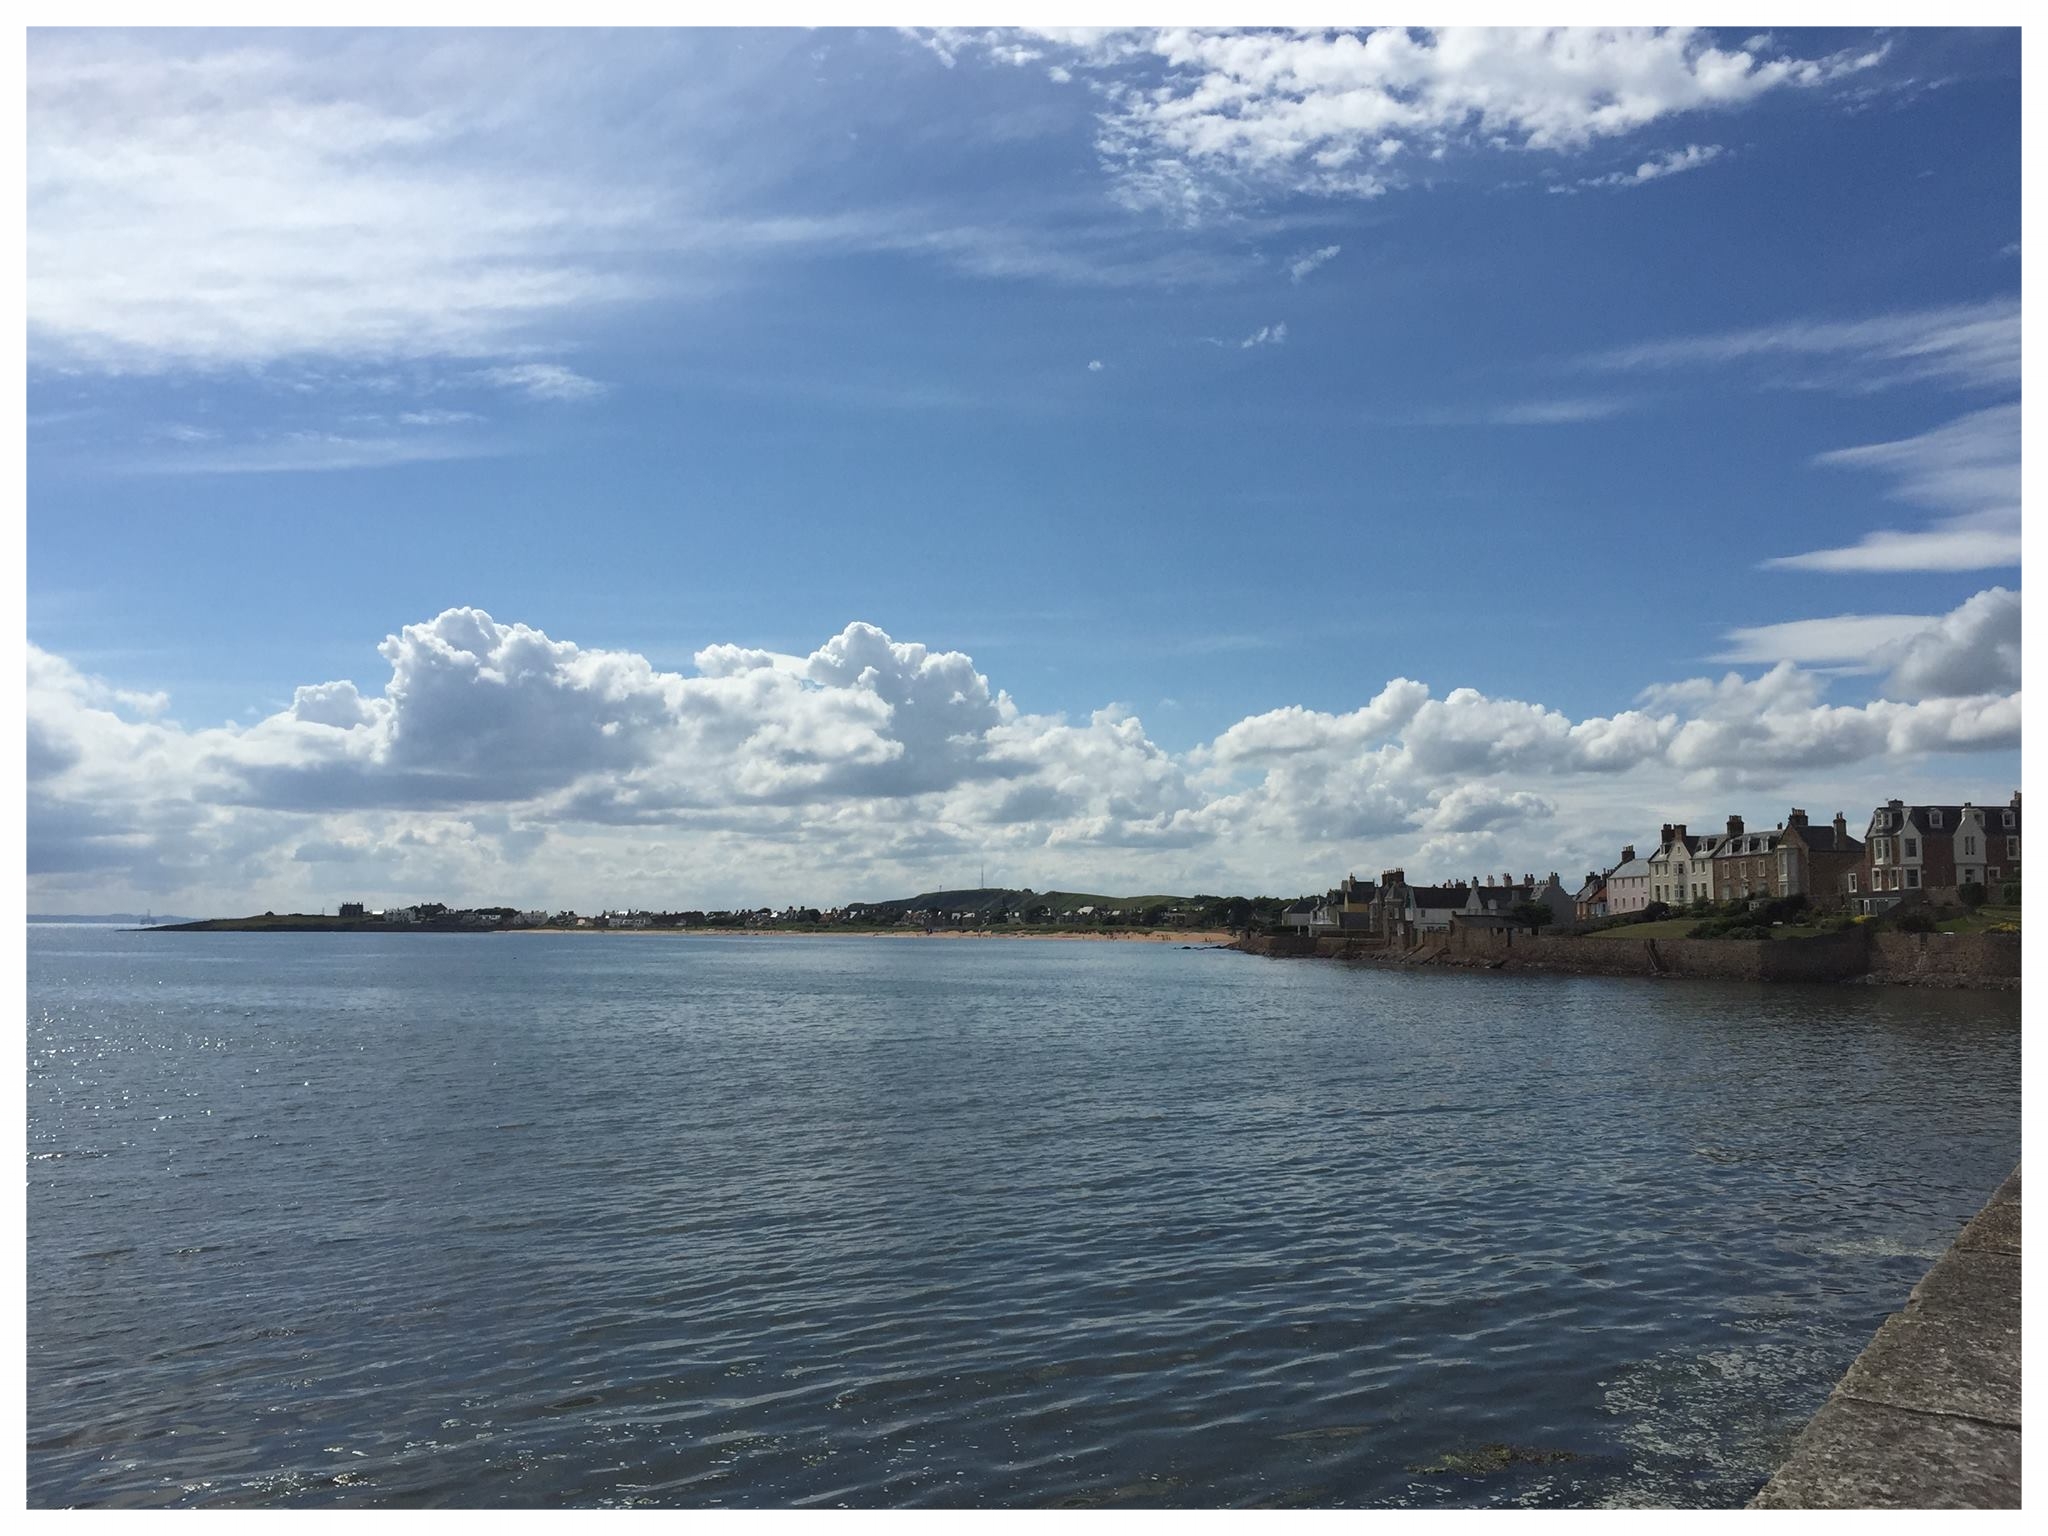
700,468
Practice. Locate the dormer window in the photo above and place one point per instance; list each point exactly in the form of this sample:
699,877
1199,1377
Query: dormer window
2009,818
1934,818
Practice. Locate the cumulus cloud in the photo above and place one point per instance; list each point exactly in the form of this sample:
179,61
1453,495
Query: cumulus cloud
1973,649
494,760
1968,469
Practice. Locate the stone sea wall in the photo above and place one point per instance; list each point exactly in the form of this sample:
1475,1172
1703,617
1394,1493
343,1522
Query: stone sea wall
1989,960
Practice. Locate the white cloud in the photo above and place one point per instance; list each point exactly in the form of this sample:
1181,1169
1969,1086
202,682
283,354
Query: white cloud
1301,266
1969,469
1975,649
1196,119
1847,637
1095,365
436,418
497,762
1656,168
216,200
1975,345
1266,336
542,381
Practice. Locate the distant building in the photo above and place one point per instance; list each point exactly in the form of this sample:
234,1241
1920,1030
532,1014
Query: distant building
1628,884
351,909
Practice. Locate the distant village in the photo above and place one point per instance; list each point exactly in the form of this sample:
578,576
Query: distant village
982,909
1938,855
1934,855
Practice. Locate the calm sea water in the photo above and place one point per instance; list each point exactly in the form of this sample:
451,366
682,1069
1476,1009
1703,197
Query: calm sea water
422,1220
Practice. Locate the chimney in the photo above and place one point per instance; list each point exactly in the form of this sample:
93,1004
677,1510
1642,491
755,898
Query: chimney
1665,835
2015,799
1678,832
1841,826
1506,878
1628,853
1735,826
1797,818
1895,805
1489,880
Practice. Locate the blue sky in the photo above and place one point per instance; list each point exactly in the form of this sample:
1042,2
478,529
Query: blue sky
1179,393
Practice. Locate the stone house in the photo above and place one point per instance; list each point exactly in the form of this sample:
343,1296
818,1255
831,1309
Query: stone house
1816,862
1681,870
1913,849
1591,900
1744,863
1987,844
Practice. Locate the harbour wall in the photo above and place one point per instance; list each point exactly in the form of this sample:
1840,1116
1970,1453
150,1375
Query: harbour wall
1982,960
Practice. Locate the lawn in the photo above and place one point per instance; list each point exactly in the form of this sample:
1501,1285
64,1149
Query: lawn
1679,927
1979,921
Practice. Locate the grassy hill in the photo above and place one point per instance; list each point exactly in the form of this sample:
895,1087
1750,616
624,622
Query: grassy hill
997,902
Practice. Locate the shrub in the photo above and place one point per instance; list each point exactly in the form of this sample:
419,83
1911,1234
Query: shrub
1914,920
1655,912
2009,893
1972,894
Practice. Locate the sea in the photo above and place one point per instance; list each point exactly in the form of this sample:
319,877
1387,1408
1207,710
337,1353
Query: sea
551,1221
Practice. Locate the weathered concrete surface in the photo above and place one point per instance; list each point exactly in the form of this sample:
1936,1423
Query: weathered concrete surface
1929,1415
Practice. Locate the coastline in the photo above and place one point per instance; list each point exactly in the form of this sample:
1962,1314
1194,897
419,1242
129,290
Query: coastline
1221,938
1974,962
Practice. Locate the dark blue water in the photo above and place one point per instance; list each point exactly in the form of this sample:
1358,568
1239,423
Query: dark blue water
582,1220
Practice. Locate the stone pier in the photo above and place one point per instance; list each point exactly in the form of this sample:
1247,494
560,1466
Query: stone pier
1929,1415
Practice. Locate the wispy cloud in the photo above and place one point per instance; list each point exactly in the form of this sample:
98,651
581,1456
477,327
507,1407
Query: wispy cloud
1301,266
1266,336
1968,469
436,418
221,201
1975,648
310,451
1656,168
1977,345
542,381
1846,638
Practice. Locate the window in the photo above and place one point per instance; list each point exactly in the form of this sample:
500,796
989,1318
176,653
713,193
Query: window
2008,818
1934,818
1852,882
2012,847
1969,845
1912,847
1991,875
1912,879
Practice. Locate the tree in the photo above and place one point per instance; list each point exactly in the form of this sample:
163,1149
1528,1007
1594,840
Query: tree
2009,893
1534,913
1972,894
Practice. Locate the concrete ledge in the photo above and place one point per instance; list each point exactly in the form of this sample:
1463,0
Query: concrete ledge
1929,1415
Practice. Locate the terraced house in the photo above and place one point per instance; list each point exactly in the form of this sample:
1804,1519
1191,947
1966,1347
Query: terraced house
1935,849
1681,870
